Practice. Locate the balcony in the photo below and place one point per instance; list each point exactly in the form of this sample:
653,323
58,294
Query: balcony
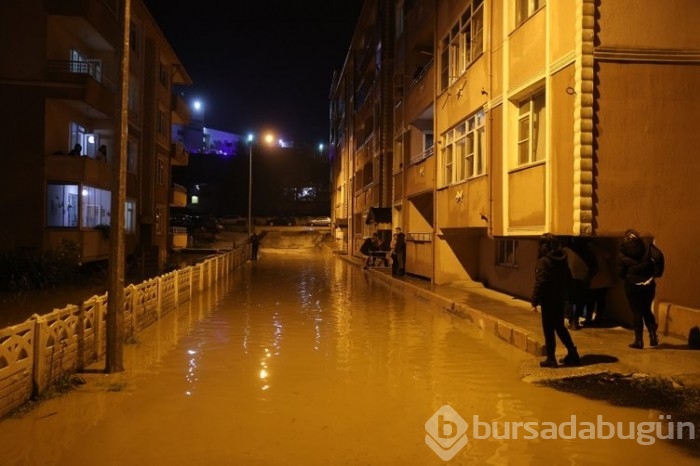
83,85
179,196
179,156
398,187
178,237
96,22
180,110
92,243
79,168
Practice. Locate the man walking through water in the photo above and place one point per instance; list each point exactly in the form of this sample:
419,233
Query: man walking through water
254,243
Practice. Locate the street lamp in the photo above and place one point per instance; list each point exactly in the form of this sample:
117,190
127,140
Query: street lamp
199,108
269,138
250,185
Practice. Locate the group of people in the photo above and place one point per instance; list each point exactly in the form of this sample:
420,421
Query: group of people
376,250
564,277
77,150
591,276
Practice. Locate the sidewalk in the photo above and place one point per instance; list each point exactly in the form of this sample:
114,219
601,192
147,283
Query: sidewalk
512,320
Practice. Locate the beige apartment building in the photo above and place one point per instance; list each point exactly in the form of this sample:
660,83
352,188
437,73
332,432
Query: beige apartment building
58,85
510,119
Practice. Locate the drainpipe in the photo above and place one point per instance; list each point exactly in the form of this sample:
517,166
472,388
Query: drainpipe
436,137
489,70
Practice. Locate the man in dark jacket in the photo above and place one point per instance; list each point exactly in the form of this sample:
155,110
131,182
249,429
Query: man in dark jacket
635,267
254,245
551,291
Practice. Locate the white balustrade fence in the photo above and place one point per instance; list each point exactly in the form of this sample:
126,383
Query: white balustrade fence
40,351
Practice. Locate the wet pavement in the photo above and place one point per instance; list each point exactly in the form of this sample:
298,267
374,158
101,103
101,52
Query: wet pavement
303,358
512,320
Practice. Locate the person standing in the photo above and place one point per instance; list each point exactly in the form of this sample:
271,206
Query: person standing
600,283
582,267
635,267
392,255
400,251
551,292
367,249
254,244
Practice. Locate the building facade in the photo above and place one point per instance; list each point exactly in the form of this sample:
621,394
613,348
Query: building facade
59,84
512,119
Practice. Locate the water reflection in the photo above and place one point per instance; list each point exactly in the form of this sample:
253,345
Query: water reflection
303,359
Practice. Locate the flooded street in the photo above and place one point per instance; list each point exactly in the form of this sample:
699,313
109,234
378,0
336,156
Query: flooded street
301,359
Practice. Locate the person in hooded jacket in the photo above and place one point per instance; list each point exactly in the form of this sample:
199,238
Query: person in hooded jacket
635,267
551,292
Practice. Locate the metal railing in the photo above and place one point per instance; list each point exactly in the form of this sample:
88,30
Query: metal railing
422,156
82,67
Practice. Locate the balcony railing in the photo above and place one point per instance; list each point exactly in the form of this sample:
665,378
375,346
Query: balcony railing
422,156
82,67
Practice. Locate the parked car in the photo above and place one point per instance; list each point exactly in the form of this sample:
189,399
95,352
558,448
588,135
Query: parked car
235,221
320,222
286,221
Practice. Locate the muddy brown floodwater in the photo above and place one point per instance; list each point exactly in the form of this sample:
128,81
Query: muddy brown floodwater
301,359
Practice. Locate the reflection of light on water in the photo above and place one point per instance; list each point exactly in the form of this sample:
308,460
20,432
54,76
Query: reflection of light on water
264,374
277,335
191,376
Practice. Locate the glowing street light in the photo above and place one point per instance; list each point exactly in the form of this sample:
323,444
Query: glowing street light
250,185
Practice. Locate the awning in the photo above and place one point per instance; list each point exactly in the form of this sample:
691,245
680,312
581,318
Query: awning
379,215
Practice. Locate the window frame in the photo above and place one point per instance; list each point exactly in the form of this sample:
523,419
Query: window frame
63,200
467,162
130,216
506,252
533,120
463,44
95,206
525,9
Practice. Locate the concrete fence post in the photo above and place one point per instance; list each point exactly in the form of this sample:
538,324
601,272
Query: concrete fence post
39,369
176,277
159,296
135,308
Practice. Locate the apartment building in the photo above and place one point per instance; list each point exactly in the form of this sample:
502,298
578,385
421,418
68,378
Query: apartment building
515,118
58,83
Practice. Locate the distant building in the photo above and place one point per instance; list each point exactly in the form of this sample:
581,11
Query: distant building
199,139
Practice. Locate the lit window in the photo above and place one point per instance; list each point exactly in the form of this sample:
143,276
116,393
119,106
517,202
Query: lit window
130,216
96,207
62,205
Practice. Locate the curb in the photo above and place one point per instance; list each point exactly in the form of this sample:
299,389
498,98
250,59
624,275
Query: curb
505,331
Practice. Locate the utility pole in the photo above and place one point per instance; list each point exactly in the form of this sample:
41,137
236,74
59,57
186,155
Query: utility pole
115,286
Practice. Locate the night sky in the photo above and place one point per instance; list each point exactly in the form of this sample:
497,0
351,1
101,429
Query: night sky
261,65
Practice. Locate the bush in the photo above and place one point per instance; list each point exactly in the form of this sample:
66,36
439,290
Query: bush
26,269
